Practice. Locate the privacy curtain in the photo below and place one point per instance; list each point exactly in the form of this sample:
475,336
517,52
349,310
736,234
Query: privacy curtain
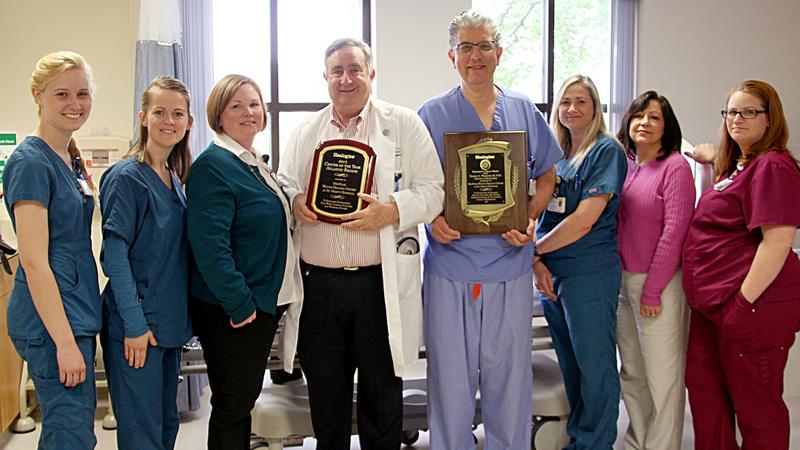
623,59
159,49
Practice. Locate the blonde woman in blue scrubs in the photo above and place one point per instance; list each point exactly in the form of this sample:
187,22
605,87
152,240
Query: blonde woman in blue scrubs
54,308
577,267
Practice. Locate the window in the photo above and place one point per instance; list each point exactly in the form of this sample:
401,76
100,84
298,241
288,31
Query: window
546,41
280,45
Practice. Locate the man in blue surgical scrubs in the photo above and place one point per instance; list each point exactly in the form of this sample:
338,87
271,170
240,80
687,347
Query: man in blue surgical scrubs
478,290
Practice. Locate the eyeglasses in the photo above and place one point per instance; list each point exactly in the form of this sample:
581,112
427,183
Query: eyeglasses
747,113
465,48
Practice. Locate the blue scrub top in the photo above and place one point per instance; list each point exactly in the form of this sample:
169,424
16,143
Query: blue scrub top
35,172
486,258
602,171
151,218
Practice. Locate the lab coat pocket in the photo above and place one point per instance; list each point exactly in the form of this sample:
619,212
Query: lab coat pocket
65,271
410,292
408,276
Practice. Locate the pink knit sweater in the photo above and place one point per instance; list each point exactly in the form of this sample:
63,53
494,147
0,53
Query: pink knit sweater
654,216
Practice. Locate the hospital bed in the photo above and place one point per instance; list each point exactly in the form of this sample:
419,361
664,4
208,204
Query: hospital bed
281,416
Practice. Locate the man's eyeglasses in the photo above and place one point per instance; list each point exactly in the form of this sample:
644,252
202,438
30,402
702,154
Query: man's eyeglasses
747,113
465,48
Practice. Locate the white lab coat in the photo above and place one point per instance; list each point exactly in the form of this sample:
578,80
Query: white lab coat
401,144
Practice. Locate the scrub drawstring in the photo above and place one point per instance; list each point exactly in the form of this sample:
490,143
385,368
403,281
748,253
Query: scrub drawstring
476,291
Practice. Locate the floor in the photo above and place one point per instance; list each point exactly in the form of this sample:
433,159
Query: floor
193,428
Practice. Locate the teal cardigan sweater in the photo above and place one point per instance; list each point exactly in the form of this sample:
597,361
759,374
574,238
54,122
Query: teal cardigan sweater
237,233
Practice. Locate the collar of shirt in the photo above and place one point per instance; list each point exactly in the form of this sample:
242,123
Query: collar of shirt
355,122
244,155
226,142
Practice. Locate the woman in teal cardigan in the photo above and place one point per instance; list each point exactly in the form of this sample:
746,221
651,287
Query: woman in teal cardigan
238,228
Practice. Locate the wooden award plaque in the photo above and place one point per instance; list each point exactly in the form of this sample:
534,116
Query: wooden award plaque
341,170
486,181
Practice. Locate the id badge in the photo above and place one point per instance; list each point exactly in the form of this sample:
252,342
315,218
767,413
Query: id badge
557,205
87,191
723,184
531,187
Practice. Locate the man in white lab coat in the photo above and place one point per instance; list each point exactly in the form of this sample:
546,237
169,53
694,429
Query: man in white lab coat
362,306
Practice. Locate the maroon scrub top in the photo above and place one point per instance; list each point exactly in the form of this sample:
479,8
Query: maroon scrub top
725,233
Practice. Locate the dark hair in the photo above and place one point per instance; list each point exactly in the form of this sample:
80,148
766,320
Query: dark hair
180,158
774,139
670,141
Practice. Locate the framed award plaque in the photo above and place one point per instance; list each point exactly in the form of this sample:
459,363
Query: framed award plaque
486,181
341,169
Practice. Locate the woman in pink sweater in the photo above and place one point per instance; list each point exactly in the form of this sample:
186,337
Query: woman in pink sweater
652,319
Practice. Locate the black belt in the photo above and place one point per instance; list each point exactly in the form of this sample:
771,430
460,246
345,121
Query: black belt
304,266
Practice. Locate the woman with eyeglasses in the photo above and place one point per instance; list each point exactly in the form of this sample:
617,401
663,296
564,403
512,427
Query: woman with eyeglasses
742,280
54,307
652,319
577,266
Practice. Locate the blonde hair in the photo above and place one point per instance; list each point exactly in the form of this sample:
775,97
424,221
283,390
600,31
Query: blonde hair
221,94
180,157
596,127
48,68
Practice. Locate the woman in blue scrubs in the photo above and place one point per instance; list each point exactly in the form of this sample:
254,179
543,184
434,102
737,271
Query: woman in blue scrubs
54,307
145,256
577,266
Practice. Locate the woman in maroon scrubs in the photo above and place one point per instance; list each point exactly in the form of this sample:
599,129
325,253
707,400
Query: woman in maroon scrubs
742,280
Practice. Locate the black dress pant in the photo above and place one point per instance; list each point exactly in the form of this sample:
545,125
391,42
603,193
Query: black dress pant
343,328
237,360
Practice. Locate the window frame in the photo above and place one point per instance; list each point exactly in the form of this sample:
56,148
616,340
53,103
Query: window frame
274,105
549,17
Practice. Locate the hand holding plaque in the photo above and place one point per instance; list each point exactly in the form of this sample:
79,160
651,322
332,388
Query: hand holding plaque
486,182
341,169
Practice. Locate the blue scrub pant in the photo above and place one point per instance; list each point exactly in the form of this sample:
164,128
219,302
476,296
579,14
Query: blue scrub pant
144,399
472,342
583,325
67,413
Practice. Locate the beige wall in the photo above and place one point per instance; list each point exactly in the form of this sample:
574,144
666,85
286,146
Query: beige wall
694,51
103,31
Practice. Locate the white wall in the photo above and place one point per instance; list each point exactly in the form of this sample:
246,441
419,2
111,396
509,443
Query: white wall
411,49
694,51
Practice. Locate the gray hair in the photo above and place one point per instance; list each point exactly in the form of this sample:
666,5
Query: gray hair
339,44
472,18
